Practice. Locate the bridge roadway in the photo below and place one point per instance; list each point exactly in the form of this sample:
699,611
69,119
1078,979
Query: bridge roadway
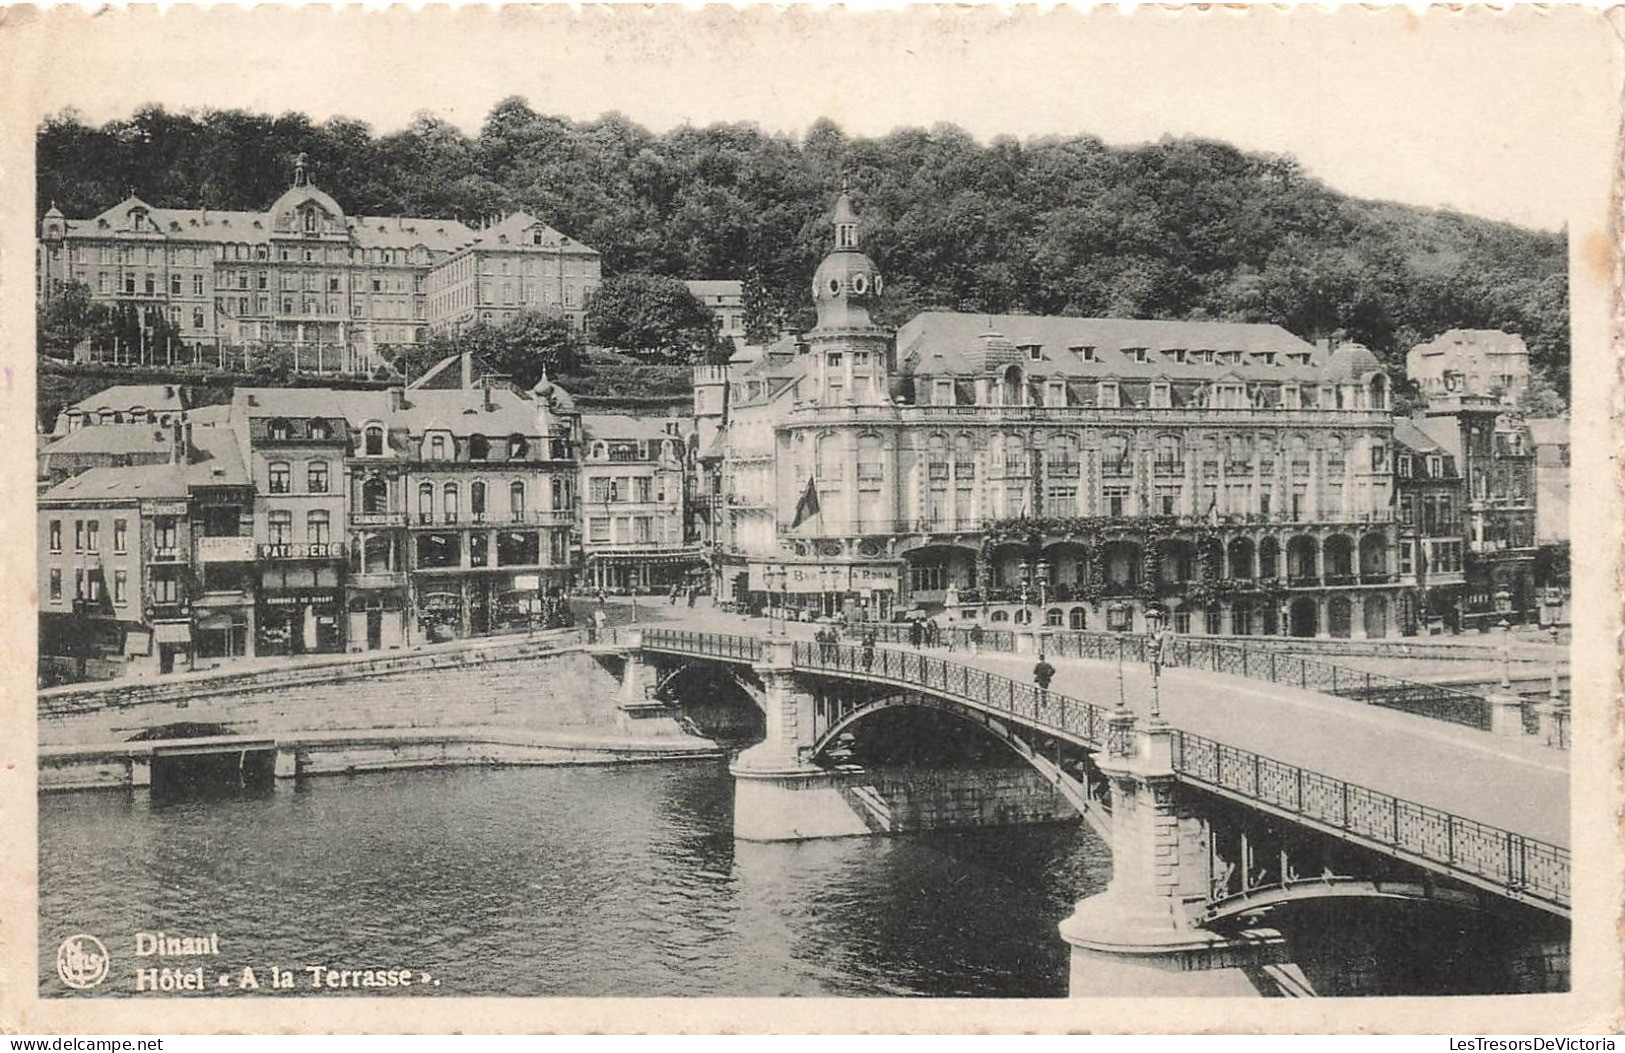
1515,784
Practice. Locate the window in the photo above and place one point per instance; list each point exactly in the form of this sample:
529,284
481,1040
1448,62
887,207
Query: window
78,583
1114,456
197,318
1107,394
278,476
516,499
316,477
318,526
174,285
598,530
928,577
56,585
279,430
425,502
476,500
437,448
448,503
598,491
93,536
375,441
78,535
1161,395
93,585
56,535
121,587
165,589
1116,500
163,534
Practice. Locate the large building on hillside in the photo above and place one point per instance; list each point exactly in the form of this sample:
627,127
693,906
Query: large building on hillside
338,289
1476,363
1089,469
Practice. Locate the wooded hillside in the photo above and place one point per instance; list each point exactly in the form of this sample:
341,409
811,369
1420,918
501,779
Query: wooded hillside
1065,225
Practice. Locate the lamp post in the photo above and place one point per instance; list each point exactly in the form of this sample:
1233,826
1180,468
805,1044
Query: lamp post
1153,624
1506,655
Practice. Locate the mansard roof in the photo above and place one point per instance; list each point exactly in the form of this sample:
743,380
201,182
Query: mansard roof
950,343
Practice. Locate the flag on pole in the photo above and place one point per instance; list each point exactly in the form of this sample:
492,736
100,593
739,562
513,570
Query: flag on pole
807,507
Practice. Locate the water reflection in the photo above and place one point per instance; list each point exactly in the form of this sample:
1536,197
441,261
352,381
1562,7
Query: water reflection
562,881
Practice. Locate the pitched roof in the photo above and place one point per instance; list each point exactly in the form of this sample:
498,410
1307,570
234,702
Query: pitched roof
626,426
945,342
216,459
113,439
726,288
521,230
121,484
1406,433
1491,341
257,228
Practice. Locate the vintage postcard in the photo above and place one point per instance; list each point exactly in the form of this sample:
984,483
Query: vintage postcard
655,519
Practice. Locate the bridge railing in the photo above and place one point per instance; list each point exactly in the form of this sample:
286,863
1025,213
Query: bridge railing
954,637
1043,710
1310,674
1524,867
708,645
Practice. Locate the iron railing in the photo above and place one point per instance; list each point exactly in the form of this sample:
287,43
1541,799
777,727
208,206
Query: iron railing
1046,711
1521,866
1276,667
707,645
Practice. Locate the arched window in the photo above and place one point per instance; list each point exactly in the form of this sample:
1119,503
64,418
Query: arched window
278,477
316,477
375,441
476,499
516,499
318,526
449,502
1169,461
437,447
425,502
518,448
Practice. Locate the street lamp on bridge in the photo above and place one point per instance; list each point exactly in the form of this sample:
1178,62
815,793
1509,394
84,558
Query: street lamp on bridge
1153,624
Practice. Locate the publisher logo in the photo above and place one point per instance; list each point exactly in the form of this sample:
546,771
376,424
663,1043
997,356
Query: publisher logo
81,961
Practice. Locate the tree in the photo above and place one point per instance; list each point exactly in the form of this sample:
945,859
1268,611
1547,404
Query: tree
651,314
70,318
532,342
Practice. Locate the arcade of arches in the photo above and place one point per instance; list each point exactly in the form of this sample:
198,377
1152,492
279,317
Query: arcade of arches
1307,581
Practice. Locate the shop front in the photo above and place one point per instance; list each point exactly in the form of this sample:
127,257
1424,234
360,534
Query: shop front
224,633
866,591
377,620
304,621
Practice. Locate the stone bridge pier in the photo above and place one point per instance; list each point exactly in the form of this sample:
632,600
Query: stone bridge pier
1137,938
781,794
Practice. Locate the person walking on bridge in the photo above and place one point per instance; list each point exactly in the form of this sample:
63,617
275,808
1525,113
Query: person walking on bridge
1043,673
868,649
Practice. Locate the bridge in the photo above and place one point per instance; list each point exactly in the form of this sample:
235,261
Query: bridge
1228,785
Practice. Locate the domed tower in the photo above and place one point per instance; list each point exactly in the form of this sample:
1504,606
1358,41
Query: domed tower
54,227
851,352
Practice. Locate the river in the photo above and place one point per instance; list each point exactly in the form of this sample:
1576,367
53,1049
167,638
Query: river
557,881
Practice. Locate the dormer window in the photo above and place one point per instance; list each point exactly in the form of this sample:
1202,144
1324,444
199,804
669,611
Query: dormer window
1107,395
437,447
1084,352
1230,396
1176,354
942,393
279,430
1055,393
374,440
1290,397
1264,358
318,430
1034,352
1137,354
1435,466
1161,395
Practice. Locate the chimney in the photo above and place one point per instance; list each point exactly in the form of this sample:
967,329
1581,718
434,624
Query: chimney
490,396
175,456
1324,343
397,399
186,442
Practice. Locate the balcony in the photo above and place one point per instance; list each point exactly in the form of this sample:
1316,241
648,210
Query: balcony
377,520
225,550
301,550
